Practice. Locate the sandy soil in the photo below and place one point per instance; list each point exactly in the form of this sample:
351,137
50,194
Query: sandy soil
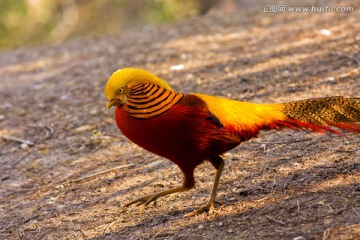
70,169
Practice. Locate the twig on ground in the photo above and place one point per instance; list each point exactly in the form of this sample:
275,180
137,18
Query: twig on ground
315,140
280,222
266,197
102,172
283,142
47,129
83,233
247,235
158,233
298,205
111,224
21,159
356,212
242,179
246,217
332,210
345,151
189,236
27,142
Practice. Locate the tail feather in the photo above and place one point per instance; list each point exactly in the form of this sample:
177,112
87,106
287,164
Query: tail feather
351,127
324,110
299,125
324,114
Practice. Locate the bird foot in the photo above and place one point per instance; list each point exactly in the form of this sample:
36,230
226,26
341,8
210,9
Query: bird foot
143,201
146,200
209,207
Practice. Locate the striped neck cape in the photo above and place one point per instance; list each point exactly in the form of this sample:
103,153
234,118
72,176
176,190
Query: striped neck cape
146,100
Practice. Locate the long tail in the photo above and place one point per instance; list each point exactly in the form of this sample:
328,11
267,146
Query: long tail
323,114
329,114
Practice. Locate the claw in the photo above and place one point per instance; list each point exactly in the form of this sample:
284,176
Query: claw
209,207
146,200
143,201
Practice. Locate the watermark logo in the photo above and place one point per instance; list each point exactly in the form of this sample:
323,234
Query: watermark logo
281,8
273,8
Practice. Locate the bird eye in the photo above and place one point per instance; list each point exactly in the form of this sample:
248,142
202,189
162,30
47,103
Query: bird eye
120,90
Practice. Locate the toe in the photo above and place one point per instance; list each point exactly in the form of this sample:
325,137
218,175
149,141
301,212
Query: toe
207,207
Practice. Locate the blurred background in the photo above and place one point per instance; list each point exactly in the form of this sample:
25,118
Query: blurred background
33,22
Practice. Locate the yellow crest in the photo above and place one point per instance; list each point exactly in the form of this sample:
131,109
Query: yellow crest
124,77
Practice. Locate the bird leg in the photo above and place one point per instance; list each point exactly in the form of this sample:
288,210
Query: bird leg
218,163
188,184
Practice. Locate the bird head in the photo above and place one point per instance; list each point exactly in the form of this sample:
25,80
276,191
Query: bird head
117,86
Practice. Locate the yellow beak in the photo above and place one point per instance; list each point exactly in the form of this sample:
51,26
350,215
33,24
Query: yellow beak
110,104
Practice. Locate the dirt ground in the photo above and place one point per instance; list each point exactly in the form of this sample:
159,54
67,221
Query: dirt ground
67,170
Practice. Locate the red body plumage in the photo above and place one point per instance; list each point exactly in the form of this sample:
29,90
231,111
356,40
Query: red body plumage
183,134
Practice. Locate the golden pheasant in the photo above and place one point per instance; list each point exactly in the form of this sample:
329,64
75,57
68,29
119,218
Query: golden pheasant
191,128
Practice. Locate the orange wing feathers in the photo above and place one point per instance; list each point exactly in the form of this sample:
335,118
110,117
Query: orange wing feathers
243,116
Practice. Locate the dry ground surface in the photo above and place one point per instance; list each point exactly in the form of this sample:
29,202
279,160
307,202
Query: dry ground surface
70,170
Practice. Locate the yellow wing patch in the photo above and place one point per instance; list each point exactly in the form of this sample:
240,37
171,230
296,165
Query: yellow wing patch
242,116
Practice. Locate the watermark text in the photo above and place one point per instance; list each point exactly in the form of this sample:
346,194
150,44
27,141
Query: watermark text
280,8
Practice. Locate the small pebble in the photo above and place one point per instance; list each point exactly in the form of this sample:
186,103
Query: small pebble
64,97
177,67
325,32
24,146
93,112
299,238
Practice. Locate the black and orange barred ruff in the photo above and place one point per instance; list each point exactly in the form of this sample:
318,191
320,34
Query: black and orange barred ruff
146,100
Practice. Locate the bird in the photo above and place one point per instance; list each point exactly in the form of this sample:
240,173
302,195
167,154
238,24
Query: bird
190,128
